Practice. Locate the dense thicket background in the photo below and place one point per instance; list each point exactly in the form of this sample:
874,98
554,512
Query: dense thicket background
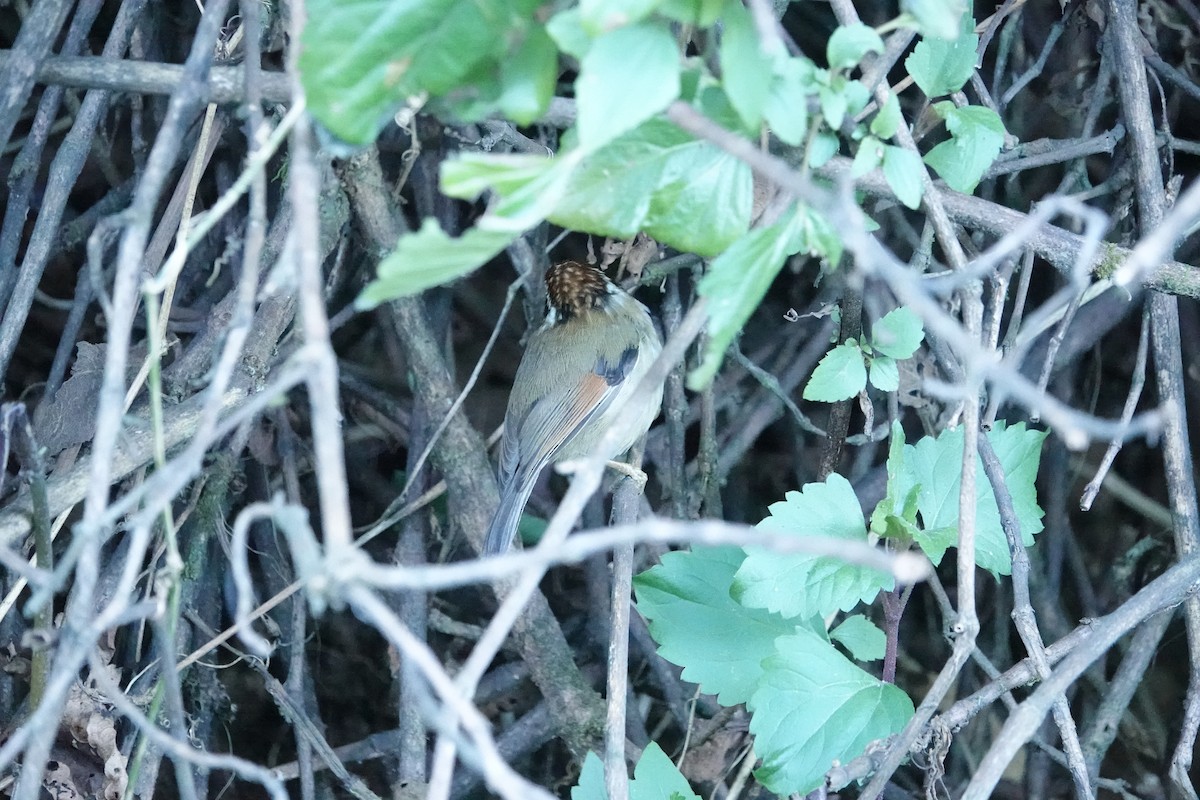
78,141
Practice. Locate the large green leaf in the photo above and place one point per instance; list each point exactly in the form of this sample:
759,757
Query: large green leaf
976,137
813,707
656,778
719,643
627,76
429,258
660,180
802,585
934,467
745,69
941,66
361,59
839,376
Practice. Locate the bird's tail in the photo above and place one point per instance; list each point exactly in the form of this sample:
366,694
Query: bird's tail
513,498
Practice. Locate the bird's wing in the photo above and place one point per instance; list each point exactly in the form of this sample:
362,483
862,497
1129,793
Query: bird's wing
532,442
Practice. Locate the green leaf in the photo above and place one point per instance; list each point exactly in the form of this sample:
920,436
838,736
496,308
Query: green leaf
600,16
658,179
934,466
736,282
719,643
566,29
884,373
849,43
360,61
656,778
888,120
902,169
627,76
898,334
840,375
977,134
701,13
868,157
528,187
824,147
802,585
527,78
430,258
861,637
942,67
892,503
938,18
813,707
786,106
745,69
591,780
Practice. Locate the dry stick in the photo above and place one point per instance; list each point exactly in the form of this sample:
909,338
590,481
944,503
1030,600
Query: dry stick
501,777
625,512
1150,267
143,77
246,770
35,38
63,172
1165,341
332,487
1023,615
906,567
79,631
26,167
839,414
1136,385
1168,590
1106,721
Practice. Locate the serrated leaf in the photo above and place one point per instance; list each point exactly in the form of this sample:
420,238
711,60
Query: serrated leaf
849,43
719,643
360,61
814,706
884,373
935,467
627,76
528,188
891,502
898,334
977,134
887,121
802,585
430,258
868,157
591,780
786,106
656,778
840,375
745,69
861,637
658,179
902,169
938,18
941,66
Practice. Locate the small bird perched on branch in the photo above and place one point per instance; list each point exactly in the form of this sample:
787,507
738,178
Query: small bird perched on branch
589,355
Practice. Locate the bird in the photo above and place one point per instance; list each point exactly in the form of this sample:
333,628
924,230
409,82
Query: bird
589,354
